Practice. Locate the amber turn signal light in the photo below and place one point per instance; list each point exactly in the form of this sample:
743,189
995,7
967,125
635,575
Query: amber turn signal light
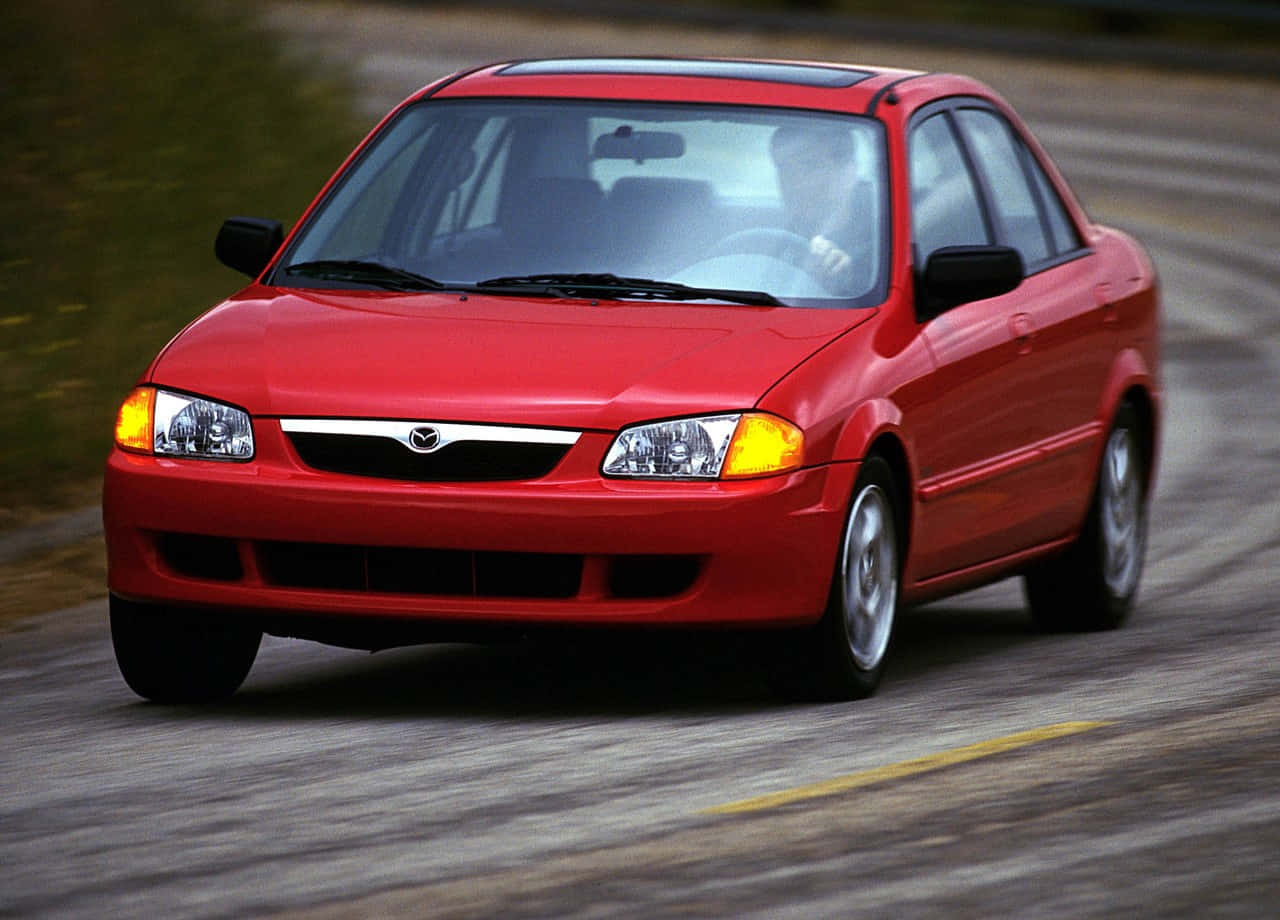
134,422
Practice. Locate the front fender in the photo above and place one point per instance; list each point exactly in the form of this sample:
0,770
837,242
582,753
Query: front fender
865,424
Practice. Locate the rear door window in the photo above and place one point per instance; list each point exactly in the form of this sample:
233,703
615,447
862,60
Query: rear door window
1013,200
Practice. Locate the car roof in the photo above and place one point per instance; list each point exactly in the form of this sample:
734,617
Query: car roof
805,84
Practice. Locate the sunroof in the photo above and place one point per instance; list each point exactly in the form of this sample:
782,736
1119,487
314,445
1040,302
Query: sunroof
801,74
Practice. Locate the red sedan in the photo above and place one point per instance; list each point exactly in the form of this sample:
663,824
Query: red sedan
586,342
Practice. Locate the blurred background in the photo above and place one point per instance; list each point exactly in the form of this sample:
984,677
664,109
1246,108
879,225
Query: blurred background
133,128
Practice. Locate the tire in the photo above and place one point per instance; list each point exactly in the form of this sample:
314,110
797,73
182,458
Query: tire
174,656
1092,586
843,656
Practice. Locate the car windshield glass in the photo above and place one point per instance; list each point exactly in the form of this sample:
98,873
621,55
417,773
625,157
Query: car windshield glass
788,203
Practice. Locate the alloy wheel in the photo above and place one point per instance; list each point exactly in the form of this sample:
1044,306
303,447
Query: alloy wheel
869,574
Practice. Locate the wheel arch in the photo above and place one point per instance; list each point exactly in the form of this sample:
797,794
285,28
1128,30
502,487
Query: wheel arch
889,448
874,430
1144,405
1132,381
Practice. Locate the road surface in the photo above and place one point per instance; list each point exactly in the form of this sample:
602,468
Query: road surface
998,771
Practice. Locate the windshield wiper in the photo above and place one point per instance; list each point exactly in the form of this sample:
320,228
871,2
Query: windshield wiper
581,284
367,270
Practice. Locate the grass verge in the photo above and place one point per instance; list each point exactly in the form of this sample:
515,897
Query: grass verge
61,578
132,129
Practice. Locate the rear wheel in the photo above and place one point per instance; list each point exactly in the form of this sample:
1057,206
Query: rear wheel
842,657
1093,584
170,655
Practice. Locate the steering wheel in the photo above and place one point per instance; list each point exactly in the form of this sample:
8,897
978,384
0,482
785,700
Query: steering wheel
765,241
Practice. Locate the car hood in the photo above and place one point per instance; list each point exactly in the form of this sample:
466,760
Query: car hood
520,361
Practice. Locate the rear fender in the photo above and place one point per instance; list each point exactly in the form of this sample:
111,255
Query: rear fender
1131,371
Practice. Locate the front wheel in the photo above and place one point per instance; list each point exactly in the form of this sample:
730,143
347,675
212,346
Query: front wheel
843,656
169,655
1093,584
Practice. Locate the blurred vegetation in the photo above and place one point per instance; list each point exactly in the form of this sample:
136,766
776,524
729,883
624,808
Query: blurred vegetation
132,128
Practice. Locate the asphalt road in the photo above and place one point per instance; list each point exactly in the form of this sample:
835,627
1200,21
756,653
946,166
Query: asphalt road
998,771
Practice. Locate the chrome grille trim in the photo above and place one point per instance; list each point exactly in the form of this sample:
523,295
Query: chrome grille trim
450,432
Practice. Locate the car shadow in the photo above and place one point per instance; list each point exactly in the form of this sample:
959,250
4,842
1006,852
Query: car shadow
943,635
612,675
617,675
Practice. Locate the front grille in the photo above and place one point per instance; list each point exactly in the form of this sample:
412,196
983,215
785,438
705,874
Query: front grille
465,461
399,570
427,451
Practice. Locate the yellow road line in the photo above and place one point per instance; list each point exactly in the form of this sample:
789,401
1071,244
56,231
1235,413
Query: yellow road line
905,768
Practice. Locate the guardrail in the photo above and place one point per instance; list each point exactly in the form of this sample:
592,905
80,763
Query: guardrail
1126,45
1242,13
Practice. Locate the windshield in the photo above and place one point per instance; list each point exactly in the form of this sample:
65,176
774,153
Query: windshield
723,198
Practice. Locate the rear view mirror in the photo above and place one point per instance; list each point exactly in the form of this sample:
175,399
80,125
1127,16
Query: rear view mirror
248,243
626,144
960,274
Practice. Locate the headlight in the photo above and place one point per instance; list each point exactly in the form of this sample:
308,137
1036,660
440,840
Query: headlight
713,447
177,425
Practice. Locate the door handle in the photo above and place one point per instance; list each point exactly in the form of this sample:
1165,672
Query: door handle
1022,330
1110,312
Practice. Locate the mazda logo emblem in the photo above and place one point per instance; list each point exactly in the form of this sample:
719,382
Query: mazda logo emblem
424,439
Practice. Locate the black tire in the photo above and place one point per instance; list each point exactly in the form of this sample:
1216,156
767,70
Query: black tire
843,656
169,655
1092,586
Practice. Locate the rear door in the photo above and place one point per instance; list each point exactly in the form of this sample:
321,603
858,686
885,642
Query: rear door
1060,320
1003,448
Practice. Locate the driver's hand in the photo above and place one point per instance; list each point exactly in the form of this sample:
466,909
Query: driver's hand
831,262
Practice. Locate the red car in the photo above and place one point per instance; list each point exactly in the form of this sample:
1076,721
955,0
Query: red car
647,342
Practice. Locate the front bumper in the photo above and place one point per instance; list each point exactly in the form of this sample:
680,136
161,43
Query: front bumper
275,537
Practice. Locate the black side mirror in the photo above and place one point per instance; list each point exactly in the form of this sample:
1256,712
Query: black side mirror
248,243
960,274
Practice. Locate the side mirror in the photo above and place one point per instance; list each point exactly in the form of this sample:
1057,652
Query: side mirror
961,274
248,243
